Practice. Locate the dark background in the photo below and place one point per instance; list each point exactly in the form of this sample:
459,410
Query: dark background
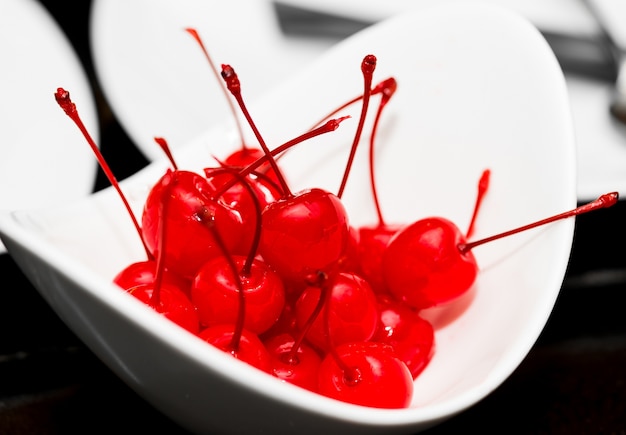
572,381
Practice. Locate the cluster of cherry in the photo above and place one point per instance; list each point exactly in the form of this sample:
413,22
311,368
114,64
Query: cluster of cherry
283,281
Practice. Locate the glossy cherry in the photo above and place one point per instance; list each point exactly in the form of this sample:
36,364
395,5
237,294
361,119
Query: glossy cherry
299,367
303,233
172,303
349,312
430,262
366,374
144,272
241,195
216,294
411,336
190,243
245,345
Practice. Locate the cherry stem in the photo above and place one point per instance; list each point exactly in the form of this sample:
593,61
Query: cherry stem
323,282
64,101
328,127
166,149
196,36
208,220
604,201
483,186
368,65
380,87
387,93
234,86
256,239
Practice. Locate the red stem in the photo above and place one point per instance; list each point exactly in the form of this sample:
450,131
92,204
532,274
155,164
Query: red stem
166,149
387,93
234,86
483,186
209,220
323,282
64,101
256,240
330,126
367,67
604,201
196,36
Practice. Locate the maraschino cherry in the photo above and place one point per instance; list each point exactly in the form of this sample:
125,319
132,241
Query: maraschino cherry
303,233
366,373
430,262
230,286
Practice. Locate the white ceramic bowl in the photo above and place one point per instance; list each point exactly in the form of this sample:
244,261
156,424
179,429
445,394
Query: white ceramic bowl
478,88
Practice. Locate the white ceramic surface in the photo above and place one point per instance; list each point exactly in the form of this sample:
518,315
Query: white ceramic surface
43,159
601,141
466,101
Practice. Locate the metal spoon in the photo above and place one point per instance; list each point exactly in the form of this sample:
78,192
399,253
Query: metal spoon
611,15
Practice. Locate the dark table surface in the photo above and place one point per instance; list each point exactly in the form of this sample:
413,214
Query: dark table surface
573,381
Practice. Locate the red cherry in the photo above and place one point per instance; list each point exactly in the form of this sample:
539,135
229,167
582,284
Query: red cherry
430,261
423,265
248,347
64,101
367,374
373,241
190,243
411,336
172,303
349,261
349,312
215,293
304,233
300,367
144,272
246,196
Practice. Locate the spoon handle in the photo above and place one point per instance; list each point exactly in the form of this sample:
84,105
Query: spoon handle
611,15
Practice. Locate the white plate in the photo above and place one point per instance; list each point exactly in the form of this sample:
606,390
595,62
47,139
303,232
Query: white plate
44,159
465,102
155,77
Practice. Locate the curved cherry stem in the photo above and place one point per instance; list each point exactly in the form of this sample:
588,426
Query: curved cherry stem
368,65
483,186
256,239
387,93
208,219
64,101
328,127
196,36
266,178
322,281
234,86
380,87
604,201
166,149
